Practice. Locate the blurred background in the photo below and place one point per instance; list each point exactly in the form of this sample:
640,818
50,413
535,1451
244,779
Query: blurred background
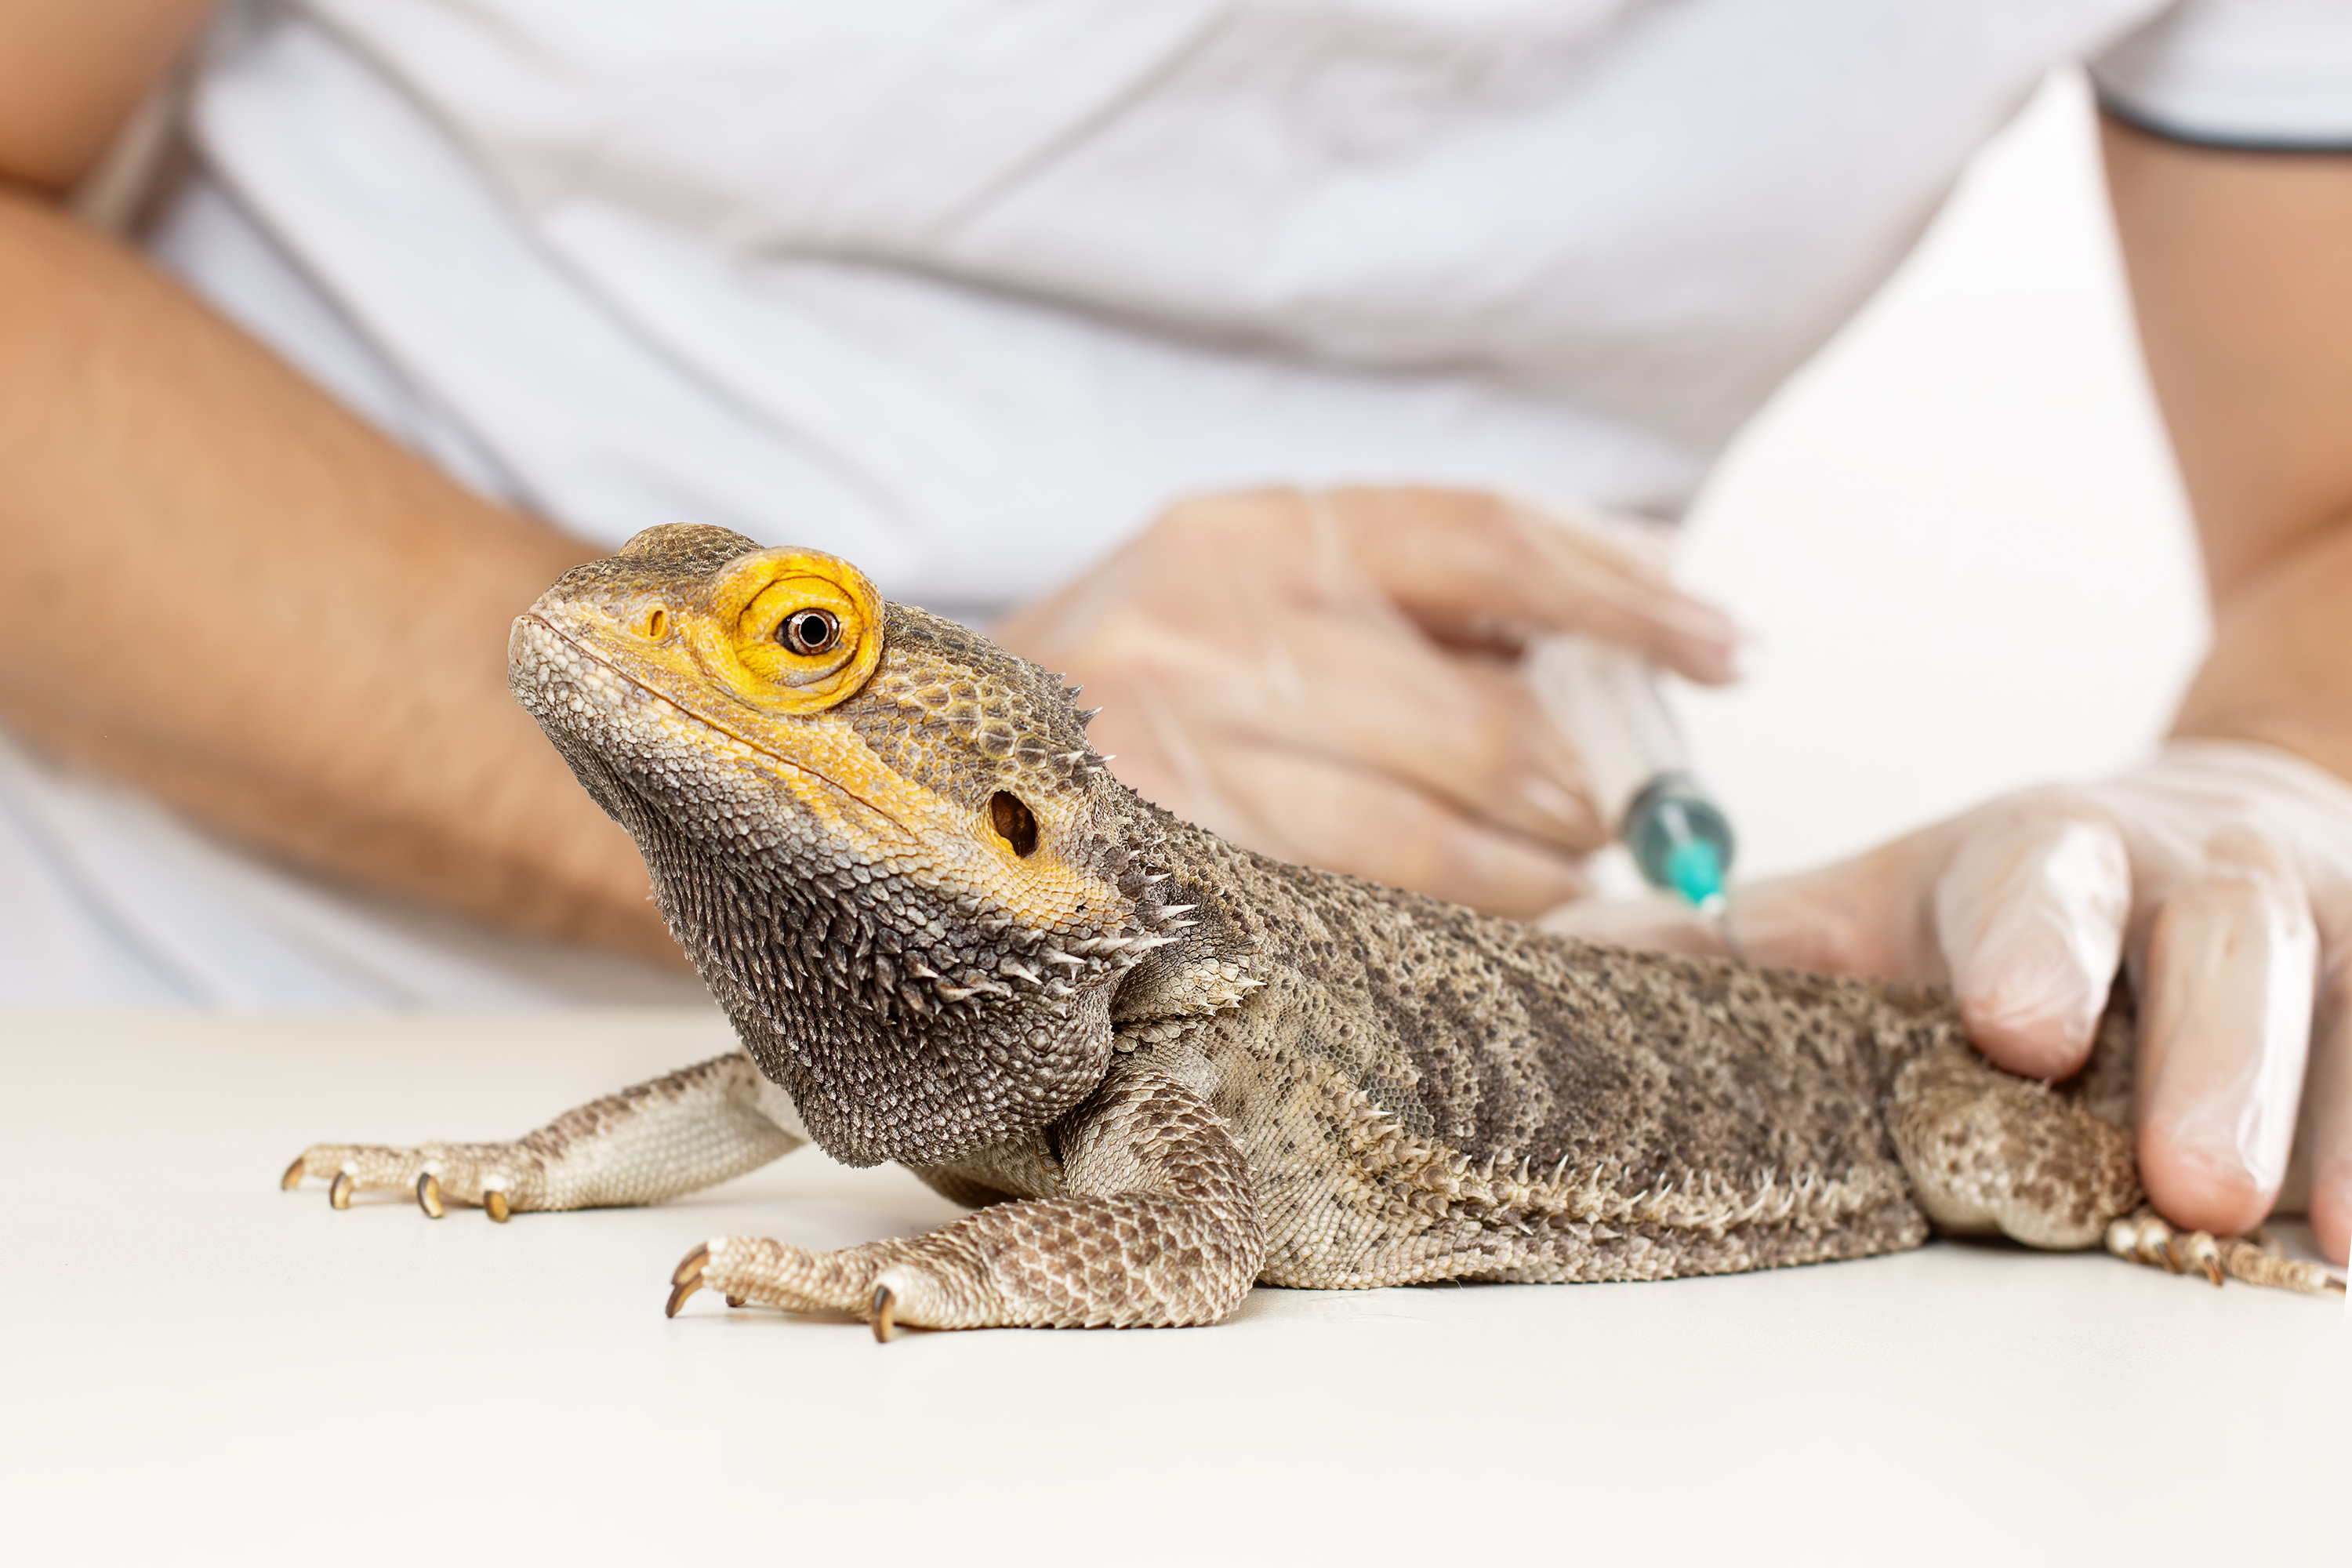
1957,534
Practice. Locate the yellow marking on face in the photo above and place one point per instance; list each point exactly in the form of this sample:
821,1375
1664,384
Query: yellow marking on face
729,637
741,641
893,822
724,655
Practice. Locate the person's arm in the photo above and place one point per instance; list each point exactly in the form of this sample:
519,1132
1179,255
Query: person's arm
2220,874
222,587
71,72
2241,267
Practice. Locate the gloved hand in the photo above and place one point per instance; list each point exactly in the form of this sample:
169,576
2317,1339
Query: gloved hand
2220,873
1328,678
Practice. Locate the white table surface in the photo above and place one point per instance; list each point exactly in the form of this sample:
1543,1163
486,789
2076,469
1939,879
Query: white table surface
197,1367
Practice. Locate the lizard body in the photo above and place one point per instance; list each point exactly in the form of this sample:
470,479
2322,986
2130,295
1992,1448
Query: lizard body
1163,1069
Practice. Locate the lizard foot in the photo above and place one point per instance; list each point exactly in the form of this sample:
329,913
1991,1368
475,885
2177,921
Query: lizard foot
496,1178
2255,1258
887,1284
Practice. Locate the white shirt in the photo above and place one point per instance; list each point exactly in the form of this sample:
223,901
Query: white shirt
967,291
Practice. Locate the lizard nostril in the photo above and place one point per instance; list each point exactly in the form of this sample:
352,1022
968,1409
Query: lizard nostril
657,624
1013,822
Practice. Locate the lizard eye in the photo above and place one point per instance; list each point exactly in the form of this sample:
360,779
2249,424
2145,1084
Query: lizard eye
808,631
792,631
1014,823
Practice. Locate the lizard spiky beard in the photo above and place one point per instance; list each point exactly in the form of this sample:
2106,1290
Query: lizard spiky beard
910,1017
1161,1069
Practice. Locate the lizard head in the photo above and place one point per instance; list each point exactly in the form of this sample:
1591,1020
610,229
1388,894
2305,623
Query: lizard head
884,841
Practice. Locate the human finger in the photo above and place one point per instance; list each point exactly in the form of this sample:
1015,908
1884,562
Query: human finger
1266,794
2030,914
1862,916
2225,1016
2326,1123
1481,567
1656,924
1323,813
1838,920
1371,693
1459,727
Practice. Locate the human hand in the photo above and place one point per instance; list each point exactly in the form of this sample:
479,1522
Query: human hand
1328,678
2220,873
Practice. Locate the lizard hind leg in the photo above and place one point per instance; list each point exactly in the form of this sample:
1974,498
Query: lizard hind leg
1991,1153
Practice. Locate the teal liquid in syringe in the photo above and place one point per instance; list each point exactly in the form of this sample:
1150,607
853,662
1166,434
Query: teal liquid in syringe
1679,839
1606,700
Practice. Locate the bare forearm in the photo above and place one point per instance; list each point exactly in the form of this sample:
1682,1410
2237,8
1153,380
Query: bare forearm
2237,265
2280,667
222,587
72,70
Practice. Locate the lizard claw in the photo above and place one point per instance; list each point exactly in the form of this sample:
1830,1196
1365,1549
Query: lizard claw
2255,1258
2195,1250
339,1195
734,1300
494,1203
294,1174
687,1279
428,1195
884,1300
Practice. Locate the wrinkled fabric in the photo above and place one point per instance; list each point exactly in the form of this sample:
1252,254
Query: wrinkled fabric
108,900
2244,73
969,291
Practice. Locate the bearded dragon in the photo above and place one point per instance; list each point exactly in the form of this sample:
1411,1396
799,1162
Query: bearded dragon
1161,1069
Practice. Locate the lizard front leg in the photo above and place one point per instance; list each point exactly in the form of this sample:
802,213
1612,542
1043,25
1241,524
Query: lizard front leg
685,1131
1157,1227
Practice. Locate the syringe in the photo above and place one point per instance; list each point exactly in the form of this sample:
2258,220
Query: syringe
1605,700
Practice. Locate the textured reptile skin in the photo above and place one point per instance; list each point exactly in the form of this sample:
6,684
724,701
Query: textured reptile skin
1163,1069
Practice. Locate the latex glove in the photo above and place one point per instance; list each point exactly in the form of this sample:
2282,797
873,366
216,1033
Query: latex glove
2220,873
1328,678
